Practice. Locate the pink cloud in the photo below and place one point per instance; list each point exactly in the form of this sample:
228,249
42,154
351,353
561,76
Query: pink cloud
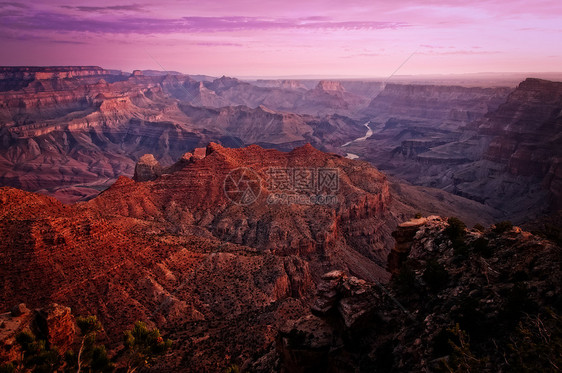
245,37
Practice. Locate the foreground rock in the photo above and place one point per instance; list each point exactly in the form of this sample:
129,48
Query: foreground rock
54,324
460,300
147,168
343,308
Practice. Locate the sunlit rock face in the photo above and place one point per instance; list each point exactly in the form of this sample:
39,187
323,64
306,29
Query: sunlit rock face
181,252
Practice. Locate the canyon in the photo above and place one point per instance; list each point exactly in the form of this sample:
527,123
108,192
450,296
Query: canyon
267,224
501,151
71,132
177,251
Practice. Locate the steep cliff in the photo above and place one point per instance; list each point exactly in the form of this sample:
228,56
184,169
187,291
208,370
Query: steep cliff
435,103
519,168
414,125
468,142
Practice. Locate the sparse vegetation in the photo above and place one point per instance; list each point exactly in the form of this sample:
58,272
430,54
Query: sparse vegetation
462,359
537,344
91,355
35,356
460,247
232,369
456,228
503,226
143,345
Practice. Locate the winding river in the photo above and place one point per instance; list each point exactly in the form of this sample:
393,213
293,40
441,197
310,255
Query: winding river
363,138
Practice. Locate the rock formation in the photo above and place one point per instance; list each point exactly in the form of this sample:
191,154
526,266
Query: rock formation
183,254
479,304
342,306
491,145
404,236
147,168
53,323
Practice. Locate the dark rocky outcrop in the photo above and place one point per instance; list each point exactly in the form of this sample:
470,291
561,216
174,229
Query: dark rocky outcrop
343,306
404,237
481,303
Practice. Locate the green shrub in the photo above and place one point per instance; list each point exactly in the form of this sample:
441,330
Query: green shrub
25,339
460,247
462,359
88,324
143,345
35,355
232,369
100,360
435,275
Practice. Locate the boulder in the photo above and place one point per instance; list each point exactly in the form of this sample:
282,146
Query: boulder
55,324
19,310
147,168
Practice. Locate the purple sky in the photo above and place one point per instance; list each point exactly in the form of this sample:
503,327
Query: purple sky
359,38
